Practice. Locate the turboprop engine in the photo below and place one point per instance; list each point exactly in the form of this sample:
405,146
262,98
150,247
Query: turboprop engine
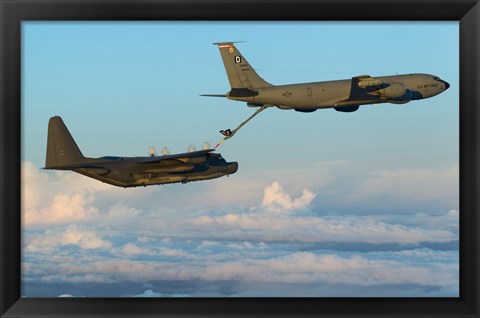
396,93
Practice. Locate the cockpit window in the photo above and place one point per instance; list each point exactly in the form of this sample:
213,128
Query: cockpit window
436,78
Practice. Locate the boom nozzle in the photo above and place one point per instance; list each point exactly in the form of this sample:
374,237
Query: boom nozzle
226,133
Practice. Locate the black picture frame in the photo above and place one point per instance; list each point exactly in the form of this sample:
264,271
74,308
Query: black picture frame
13,12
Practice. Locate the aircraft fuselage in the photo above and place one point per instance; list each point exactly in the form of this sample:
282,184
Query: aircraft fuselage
64,154
316,95
132,171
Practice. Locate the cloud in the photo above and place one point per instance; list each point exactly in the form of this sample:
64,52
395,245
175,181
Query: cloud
132,249
274,218
84,239
65,208
275,199
312,228
454,213
48,241
208,244
149,293
119,212
171,252
84,233
33,181
50,198
306,268
411,184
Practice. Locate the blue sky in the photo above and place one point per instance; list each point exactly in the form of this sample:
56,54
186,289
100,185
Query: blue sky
372,193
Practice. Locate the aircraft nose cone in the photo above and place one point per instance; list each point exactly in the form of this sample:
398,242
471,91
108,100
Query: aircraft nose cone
446,85
232,167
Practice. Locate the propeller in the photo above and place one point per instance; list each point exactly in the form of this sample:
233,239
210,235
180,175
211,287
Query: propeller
152,152
205,146
165,151
191,148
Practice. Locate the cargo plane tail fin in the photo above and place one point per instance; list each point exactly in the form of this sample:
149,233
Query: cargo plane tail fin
62,149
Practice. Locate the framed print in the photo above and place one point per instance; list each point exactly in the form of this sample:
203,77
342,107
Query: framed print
239,158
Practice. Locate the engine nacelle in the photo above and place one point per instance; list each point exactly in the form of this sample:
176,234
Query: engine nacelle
305,110
402,99
347,109
393,91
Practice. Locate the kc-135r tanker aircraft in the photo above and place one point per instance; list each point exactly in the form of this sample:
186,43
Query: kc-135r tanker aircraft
64,154
342,95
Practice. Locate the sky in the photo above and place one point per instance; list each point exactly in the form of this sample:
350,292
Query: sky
324,204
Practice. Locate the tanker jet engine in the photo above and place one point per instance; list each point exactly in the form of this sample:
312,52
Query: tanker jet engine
342,95
64,154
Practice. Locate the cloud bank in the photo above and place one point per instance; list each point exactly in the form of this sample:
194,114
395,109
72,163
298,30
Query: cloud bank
84,238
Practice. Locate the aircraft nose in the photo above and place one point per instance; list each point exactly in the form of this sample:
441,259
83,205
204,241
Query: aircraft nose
232,167
446,85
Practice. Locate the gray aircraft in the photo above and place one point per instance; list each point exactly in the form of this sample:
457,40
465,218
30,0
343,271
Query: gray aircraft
64,154
342,95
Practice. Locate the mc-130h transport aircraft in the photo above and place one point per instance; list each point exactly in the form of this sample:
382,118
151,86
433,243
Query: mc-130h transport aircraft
342,95
64,154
